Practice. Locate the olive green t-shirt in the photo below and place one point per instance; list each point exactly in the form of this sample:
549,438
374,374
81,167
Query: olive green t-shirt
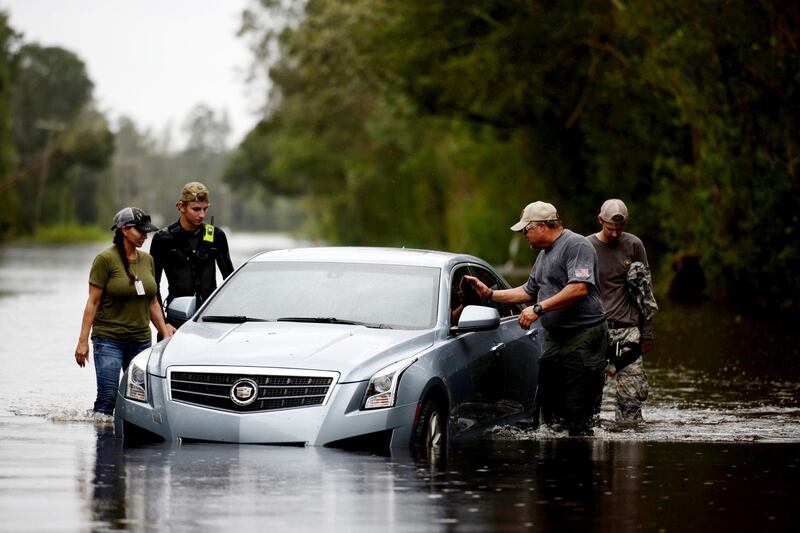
123,315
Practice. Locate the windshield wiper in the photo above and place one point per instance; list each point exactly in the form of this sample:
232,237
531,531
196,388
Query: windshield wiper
331,320
231,319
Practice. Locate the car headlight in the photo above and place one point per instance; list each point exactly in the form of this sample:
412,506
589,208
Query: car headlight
136,386
382,388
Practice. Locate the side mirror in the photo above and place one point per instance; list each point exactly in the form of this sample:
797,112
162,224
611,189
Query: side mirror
477,318
182,309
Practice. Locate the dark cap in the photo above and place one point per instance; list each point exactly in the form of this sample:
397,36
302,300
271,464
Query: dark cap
133,217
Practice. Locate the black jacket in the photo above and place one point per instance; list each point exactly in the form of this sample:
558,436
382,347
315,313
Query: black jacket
188,260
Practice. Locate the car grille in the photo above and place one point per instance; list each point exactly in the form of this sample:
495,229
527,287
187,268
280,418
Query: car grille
278,391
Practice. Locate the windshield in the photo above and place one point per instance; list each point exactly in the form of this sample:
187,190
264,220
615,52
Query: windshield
395,296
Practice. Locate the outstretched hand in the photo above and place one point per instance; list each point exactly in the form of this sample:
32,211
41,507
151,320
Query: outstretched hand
479,286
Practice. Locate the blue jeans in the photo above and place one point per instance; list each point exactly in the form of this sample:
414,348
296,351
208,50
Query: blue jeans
111,356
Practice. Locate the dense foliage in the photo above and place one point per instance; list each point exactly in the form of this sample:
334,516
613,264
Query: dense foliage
433,122
7,152
56,147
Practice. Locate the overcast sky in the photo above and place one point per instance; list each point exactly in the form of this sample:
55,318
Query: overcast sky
152,60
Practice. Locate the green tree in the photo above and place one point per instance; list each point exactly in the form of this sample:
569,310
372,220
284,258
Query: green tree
730,74
64,145
432,122
7,151
80,161
50,84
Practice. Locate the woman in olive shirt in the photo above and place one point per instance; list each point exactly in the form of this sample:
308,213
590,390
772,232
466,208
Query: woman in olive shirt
122,303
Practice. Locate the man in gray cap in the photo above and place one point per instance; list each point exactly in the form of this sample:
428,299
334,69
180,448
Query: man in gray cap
629,303
563,287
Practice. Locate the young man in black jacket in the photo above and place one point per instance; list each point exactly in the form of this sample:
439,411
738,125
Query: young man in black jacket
189,250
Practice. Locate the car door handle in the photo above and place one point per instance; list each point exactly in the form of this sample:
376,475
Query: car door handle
497,348
532,333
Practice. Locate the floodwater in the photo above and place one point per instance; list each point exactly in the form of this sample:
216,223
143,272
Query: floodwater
720,449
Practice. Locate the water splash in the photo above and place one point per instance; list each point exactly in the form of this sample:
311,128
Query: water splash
66,415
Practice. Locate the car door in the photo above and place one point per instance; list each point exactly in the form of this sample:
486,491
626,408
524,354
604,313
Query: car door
475,370
516,351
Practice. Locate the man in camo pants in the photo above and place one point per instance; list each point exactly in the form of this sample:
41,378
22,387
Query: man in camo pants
625,288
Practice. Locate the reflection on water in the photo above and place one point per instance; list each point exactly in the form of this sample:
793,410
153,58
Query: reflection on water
719,384
564,484
590,484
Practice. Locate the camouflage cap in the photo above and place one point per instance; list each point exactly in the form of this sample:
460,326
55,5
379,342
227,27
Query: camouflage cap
194,191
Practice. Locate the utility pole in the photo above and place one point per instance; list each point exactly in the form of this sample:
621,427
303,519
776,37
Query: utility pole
52,127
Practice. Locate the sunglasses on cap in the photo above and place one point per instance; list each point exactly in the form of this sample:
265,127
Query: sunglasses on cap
140,221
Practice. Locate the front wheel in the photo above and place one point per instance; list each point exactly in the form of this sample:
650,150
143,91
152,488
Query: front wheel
430,435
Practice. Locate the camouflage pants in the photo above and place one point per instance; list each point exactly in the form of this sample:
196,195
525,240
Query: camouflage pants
632,391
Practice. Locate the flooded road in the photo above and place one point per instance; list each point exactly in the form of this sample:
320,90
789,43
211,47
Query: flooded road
720,449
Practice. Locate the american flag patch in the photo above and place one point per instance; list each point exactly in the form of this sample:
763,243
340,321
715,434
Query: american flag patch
581,272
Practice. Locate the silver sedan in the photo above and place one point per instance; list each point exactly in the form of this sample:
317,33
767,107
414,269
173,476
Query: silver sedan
341,347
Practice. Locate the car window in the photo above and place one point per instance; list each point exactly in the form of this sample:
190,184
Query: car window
461,294
396,296
491,281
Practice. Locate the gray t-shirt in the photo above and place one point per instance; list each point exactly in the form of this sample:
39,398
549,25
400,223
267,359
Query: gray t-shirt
614,261
570,259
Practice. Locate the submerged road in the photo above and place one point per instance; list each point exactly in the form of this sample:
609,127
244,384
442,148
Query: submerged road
720,449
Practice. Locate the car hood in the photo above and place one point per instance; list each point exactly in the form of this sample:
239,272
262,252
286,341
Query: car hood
356,352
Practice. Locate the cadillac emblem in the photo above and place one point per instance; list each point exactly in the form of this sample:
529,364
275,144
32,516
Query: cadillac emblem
244,392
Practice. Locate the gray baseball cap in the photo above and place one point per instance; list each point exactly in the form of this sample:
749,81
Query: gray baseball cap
133,217
614,208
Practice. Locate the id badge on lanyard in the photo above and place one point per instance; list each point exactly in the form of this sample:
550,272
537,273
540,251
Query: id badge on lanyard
139,287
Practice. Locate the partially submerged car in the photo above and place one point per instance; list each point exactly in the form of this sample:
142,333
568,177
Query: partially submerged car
338,347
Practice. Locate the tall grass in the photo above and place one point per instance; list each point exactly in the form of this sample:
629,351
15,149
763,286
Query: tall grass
69,234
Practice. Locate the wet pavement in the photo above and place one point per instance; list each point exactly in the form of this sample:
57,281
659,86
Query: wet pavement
75,477
720,449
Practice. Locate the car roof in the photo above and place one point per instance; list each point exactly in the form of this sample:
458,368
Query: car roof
364,254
